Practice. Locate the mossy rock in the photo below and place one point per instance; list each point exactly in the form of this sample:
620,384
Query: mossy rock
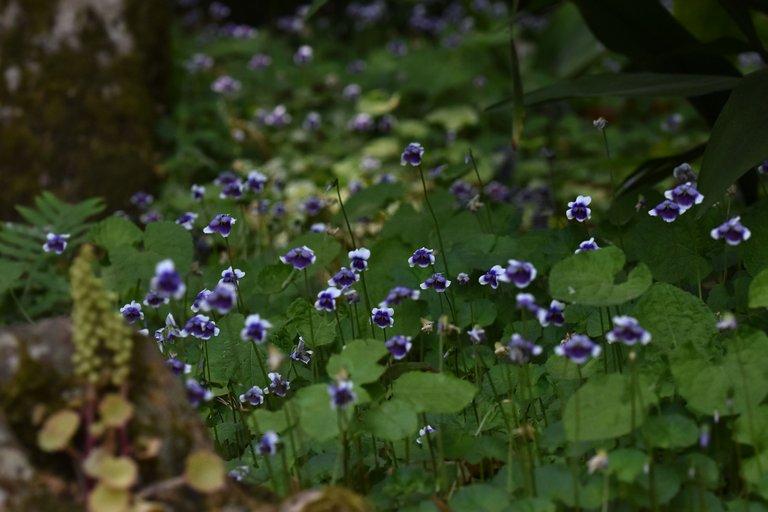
79,99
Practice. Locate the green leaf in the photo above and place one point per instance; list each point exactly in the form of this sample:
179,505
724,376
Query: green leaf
627,464
170,240
602,408
675,318
730,385
755,254
627,85
588,278
438,393
273,278
115,231
370,201
481,498
230,357
454,118
758,290
739,139
316,417
392,420
751,428
9,272
378,102
322,329
360,359
670,431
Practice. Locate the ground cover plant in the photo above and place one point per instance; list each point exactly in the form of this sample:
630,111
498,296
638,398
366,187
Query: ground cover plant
376,263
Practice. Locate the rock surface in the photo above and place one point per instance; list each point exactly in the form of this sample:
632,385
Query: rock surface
81,82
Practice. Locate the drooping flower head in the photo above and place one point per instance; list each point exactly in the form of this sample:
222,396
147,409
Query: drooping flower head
278,385
627,330
684,173
221,224
578,348
132,312
668,210
187,220
167,281
397,295
684,195
579,209
383,317
198,302
359,259
398,346
726,322
520,351
437,282
255,329
268,443
201,327
301,353
519,273
425,431
341,394
344,278
492,276
412,154
169,333
142,200
326,299
422,257
55,243
232,190
253,397
587,245
299,257
462,278
732,231
551,315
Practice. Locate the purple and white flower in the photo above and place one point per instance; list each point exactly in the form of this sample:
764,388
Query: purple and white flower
142,200
519,273
359,259
221,224
299,257
462,278
303,55
169,333
685,196
255,329
344,278
520,351
201,327
231,276
226,85
177,366
278,385
668,210
412,154
198,192
397,295
255,181
55,243
587,245
197,394
300,353
492,276
527,301
253,397
579,209
132,312
732,231
422,257
167,281
187,220
341,394
627,330
326,299
153,299
437,282
268,443
312,122
425,431
578,348
259,61
398,346
222,299
552,315
476,334
383,317
198,302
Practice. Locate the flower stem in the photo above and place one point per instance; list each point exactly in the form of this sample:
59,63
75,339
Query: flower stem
434,220
309,310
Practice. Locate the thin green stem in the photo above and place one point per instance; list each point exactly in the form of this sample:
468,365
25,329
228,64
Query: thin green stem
310,311
436,223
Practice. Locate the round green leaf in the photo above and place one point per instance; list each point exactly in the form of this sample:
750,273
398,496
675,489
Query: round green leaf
58,430
438,393
758,290
204,472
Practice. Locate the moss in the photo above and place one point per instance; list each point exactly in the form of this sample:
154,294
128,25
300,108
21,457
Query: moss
86,117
